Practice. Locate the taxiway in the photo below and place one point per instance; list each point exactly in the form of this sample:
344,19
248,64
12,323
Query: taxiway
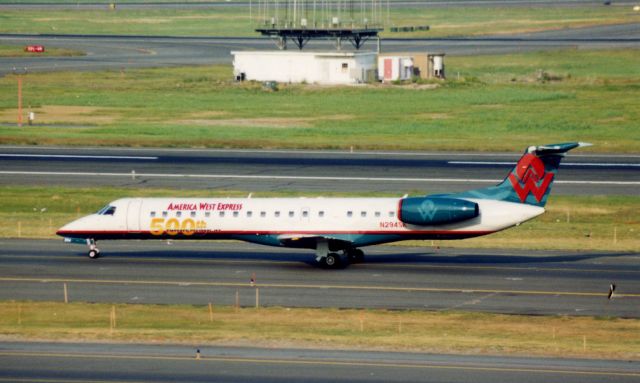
309,171
393,277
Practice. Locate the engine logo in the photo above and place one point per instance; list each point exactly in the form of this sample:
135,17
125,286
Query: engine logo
427,210
530,177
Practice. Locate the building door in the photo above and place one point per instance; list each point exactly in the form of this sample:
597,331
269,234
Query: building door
388,69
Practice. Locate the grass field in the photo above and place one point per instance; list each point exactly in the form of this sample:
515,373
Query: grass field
235,21
571,223
489,103
437,332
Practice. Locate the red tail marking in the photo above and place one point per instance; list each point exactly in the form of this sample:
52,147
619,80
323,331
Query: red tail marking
530,172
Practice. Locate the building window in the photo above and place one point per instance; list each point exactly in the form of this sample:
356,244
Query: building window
345,67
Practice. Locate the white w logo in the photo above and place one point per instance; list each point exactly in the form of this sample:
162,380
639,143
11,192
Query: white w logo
427,210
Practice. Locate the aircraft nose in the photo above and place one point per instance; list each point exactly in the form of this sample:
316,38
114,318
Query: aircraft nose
70,228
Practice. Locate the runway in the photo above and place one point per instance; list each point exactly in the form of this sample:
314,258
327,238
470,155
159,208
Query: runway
229,3
393,277
95,362
307,171
118,52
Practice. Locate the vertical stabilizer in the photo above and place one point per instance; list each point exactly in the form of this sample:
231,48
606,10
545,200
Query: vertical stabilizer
531,179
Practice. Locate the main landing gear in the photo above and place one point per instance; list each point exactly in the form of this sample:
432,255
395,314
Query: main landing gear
94,252
335,260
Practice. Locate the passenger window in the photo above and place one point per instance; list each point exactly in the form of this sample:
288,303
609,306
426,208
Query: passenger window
178,214
221,214
152,214
377,214
363,214
277,213
235,213
290,214
321,213
305,214
263,214
164,214
349,214
193,214
249,214
207,214
391,214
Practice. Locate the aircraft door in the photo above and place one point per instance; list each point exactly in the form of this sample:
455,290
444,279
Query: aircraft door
133,215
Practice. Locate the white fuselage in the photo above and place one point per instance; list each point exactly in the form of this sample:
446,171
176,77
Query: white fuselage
348,219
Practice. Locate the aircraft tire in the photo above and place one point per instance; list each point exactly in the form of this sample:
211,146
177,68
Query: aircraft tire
332,260
94,253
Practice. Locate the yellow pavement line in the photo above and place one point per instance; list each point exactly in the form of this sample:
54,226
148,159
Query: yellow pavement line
312,286
323,363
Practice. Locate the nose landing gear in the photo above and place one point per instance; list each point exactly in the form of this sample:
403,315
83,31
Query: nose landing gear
94,252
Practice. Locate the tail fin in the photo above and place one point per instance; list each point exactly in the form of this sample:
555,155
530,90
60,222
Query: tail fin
531,179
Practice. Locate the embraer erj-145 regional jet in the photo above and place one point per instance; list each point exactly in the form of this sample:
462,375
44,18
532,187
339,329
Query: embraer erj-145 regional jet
333,227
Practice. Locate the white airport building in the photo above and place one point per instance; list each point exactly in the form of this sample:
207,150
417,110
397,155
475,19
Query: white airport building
311,67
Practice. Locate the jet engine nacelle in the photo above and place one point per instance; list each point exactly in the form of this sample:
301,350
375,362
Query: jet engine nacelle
424,211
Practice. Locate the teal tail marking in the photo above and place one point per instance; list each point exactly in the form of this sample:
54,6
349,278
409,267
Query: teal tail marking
531,179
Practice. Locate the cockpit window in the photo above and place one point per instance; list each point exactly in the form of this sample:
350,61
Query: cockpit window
107,210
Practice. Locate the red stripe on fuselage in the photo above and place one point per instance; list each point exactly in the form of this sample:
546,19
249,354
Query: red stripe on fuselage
254,232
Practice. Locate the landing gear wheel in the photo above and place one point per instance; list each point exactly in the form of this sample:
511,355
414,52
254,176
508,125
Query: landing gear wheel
356,255
332,260
94,253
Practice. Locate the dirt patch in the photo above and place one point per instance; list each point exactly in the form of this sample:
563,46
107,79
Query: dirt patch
265,122
433,116
612,119
59,114
583,210
207,114
489,106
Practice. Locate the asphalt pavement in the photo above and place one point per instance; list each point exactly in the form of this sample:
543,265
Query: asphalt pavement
392,277
107,362
308,171
122,52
